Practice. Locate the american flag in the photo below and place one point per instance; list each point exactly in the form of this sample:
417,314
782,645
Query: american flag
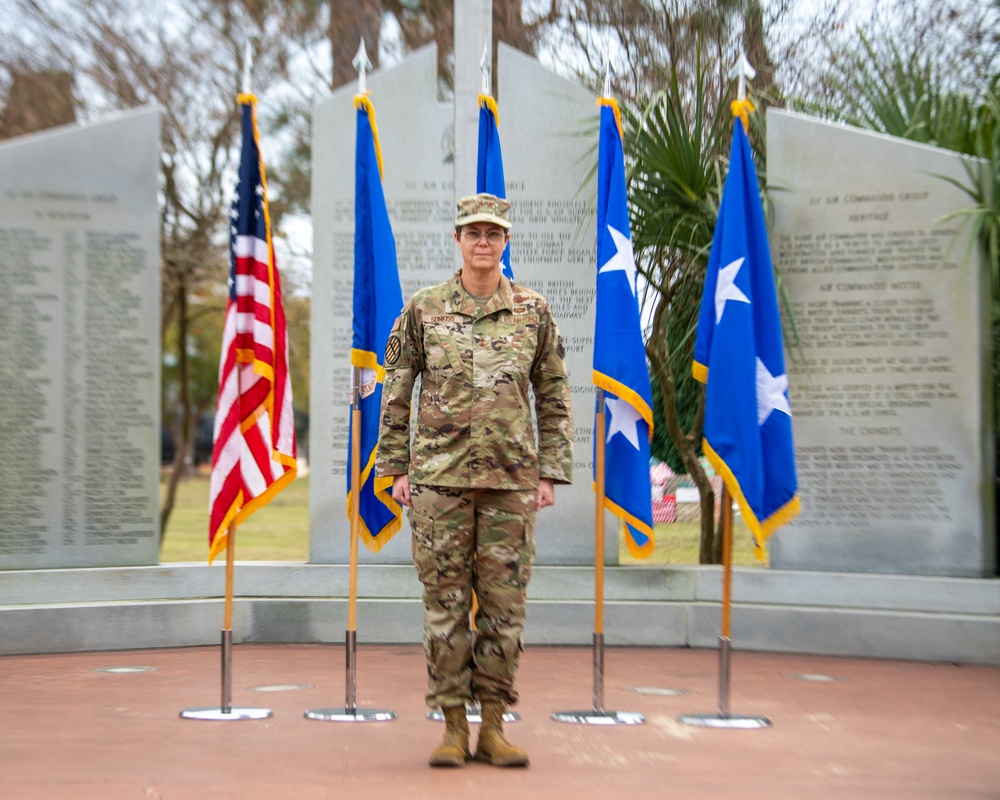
253,457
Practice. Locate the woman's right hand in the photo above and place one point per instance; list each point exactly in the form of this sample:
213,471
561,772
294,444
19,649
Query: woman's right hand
401,490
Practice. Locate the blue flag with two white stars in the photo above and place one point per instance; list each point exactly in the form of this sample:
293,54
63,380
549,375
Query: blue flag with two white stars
739,355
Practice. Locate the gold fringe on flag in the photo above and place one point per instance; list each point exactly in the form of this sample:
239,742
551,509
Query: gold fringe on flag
486,101
613,105
362,101
742,109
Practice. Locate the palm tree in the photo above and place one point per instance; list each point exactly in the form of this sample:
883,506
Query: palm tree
677,148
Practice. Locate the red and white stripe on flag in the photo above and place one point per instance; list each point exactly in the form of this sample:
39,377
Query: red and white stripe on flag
254,452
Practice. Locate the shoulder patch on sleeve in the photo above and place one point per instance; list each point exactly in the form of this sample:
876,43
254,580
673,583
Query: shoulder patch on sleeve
393,349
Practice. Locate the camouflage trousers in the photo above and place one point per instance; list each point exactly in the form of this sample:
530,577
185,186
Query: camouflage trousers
465,540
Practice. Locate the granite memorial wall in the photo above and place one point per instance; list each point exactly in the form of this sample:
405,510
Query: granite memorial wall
79,346
890,380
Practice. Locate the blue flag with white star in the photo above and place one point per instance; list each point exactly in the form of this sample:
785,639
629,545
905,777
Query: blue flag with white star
619,351
740,357
377,302
489,167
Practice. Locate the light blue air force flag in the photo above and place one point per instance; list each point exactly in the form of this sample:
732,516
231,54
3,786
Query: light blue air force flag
740,357
377,302
489,167
619,351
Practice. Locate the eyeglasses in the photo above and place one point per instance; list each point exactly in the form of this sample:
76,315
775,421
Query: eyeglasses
494,237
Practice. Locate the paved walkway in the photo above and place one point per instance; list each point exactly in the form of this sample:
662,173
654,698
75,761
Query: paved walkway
842,728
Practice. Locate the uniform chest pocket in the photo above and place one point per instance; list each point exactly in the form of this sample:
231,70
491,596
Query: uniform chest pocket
513,351
444,344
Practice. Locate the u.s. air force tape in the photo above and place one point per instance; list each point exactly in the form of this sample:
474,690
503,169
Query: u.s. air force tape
392,350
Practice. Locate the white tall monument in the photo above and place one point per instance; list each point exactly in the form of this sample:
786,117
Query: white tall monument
429,154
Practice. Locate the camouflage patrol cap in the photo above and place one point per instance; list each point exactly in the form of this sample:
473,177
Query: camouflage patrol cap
483,207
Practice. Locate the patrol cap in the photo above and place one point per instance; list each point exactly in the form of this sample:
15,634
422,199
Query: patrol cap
483,207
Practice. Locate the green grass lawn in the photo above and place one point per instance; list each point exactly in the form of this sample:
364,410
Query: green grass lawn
677,543
277,532
280,531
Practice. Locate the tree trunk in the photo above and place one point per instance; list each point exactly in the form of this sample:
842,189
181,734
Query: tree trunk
349,24
183,442
709,549
36,101
686,443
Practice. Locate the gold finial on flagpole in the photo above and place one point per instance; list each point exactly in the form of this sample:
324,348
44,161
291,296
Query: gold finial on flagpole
485,66
362,64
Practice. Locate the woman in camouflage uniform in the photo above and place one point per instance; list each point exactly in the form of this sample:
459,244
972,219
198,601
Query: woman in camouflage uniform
474,477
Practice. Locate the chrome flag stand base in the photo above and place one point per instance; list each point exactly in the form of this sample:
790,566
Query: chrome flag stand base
350,712
597,715
345,715
474,714
219,715
724,719
225,712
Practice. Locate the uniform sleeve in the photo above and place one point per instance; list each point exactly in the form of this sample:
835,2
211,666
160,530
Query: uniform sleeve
403,361
552,403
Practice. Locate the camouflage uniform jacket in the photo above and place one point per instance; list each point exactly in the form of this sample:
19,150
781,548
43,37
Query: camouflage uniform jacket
474,424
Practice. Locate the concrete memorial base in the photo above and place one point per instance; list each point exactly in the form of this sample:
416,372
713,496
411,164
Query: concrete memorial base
864,615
